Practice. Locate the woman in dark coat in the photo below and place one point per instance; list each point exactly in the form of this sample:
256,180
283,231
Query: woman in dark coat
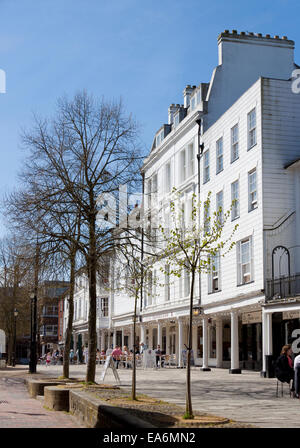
284,366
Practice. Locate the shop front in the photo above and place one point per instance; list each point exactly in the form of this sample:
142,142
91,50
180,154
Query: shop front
251,341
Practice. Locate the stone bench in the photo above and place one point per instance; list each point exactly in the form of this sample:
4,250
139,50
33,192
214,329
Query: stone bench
36,387
56,398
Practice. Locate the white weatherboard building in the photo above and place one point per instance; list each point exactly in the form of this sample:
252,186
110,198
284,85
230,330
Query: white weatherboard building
81,311
240,134
249,123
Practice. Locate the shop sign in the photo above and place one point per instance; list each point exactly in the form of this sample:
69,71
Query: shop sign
251,318
109,363
287,315
160,317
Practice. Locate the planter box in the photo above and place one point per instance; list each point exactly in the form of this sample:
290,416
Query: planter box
94,413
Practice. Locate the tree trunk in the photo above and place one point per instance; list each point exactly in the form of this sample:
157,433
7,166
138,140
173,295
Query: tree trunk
66,369
189,409
92,334
133,389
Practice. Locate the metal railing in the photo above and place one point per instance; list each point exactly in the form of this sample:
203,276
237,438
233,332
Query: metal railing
283,287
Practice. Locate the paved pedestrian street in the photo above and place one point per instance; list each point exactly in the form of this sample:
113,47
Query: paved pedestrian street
18,410
246,397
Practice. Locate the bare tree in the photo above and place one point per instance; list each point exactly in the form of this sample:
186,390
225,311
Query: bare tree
88,149
15,271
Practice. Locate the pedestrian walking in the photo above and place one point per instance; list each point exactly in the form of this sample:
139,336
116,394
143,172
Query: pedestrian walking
71,356
116,354
86,354
48,359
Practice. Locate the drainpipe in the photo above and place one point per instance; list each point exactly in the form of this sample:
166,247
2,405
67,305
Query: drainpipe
199,154
142,240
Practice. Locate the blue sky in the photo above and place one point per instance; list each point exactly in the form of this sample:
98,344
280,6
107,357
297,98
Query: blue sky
145,52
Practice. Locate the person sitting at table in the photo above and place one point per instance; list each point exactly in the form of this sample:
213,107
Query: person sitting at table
284,370
126,353
116,353
159,356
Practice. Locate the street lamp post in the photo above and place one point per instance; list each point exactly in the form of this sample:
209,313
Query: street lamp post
199,155
15,336
32,362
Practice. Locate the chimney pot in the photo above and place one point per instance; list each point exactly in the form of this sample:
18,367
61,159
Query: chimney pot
251,34
284,37
276,37
234,31
243,33
226,31
268,36
259,34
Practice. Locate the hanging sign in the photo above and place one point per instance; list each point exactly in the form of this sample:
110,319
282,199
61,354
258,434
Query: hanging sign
287,315
251,318
109,363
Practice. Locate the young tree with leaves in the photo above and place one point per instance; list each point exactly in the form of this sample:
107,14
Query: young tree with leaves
136,264
193,249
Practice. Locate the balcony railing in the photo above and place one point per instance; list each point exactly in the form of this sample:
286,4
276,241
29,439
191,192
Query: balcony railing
283,287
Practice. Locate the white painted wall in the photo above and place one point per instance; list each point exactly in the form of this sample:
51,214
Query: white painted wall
281,146
242,60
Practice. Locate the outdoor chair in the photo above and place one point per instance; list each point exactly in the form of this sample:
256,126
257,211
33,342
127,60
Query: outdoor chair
172,361
167,360
139,360
282,386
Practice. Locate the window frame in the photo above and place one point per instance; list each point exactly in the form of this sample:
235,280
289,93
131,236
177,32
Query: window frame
218,206
252,204
240,275
212,277
219,155
183,165
104,306
168,177
167,292
237,204
206,167
186,282
234,144
190,160
251,129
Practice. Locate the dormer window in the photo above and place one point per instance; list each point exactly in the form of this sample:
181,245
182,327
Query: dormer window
176,119
159,138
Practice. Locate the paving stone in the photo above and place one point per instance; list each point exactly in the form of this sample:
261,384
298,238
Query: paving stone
18,410
246,398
